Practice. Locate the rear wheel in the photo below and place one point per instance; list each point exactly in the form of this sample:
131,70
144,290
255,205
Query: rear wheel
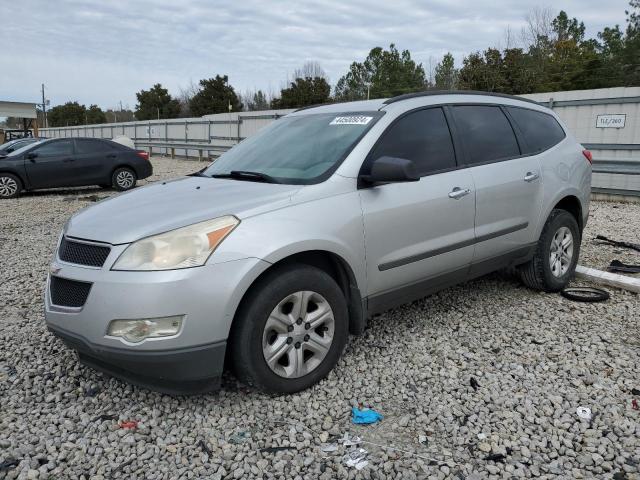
123,178
291,331
10,185
556,256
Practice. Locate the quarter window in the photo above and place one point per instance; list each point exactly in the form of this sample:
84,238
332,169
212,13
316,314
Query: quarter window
422,137
486,132
55,148
541,131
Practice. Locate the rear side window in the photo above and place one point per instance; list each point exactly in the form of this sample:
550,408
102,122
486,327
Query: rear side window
85,146
540,131
55,148
423,137
486,133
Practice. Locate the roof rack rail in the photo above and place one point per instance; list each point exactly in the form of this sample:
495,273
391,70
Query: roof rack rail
429,93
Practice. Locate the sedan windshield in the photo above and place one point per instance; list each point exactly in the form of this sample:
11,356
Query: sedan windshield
302,149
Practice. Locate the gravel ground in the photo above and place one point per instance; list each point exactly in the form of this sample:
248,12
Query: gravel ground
534,359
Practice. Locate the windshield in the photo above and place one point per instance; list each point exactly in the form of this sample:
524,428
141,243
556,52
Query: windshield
22,149
302,149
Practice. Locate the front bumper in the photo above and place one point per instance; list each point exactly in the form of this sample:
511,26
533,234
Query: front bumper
187,370
207,298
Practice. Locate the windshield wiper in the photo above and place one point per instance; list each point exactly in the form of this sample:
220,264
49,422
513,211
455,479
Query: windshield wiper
247,175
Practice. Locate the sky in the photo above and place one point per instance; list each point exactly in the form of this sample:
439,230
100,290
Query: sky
104,51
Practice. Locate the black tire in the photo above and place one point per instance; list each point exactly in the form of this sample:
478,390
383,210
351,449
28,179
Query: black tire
246,340
10,186
123,178
537,272
585,294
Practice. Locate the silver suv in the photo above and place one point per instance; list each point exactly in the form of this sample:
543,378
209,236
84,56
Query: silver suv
268,258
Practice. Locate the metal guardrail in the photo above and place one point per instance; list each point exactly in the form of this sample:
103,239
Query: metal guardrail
616,166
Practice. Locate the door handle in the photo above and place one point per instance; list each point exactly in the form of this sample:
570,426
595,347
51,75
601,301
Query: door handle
531,176
68,160
112,155
458,193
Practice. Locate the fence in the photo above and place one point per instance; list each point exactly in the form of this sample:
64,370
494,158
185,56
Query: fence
606,121
207,136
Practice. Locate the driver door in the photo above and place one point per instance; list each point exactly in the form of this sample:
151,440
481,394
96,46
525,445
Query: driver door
50,164
418,235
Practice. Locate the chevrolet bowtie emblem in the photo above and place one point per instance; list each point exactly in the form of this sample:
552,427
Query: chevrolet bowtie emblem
54,268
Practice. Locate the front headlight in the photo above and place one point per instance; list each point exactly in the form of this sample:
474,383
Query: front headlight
181,248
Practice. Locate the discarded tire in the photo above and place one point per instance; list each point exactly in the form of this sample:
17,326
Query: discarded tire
585,294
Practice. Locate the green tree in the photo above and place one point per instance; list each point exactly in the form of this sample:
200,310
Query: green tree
116,116
384,73
214,96
303,92
446,76
70,114
156,103
94,114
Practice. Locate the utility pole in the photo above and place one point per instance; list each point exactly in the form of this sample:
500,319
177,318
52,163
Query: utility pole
44,109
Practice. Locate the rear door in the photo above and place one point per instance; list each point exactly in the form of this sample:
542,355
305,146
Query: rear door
507,181
94,161
51,164
417,231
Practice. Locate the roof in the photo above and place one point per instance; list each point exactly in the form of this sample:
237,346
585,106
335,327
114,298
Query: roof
18,109
430,93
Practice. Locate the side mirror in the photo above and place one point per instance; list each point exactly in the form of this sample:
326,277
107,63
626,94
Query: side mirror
32,156
391,170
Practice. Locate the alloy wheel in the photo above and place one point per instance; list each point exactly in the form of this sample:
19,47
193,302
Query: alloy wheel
561,252
125,179
298,334
8,187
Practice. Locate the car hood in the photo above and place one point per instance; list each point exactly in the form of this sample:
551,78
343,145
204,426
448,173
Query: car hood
165,206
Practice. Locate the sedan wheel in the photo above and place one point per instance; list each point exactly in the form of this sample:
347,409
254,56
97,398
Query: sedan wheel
123,179
298,334
9,186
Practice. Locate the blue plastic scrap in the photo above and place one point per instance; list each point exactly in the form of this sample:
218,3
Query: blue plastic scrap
365,416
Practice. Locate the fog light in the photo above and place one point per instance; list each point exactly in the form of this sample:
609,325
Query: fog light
142,328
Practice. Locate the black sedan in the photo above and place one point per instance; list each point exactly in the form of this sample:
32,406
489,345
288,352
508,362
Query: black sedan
72,162
13,145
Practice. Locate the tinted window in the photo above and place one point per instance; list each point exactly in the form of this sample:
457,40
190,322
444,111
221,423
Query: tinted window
541,131
54,149
486,132
422,137
84,146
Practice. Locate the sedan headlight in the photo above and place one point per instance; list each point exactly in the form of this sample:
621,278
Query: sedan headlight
181,248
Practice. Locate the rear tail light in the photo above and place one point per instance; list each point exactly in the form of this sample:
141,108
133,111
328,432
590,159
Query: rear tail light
143,154
587,154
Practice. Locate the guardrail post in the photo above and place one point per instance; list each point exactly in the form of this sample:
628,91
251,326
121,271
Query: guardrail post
173,152
200,155
150,151
186,138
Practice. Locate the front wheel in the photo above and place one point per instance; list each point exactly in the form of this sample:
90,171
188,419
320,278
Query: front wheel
290,331
554,262
10,185
123,178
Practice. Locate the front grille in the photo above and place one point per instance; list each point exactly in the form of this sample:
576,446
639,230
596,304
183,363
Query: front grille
68,293
83,253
